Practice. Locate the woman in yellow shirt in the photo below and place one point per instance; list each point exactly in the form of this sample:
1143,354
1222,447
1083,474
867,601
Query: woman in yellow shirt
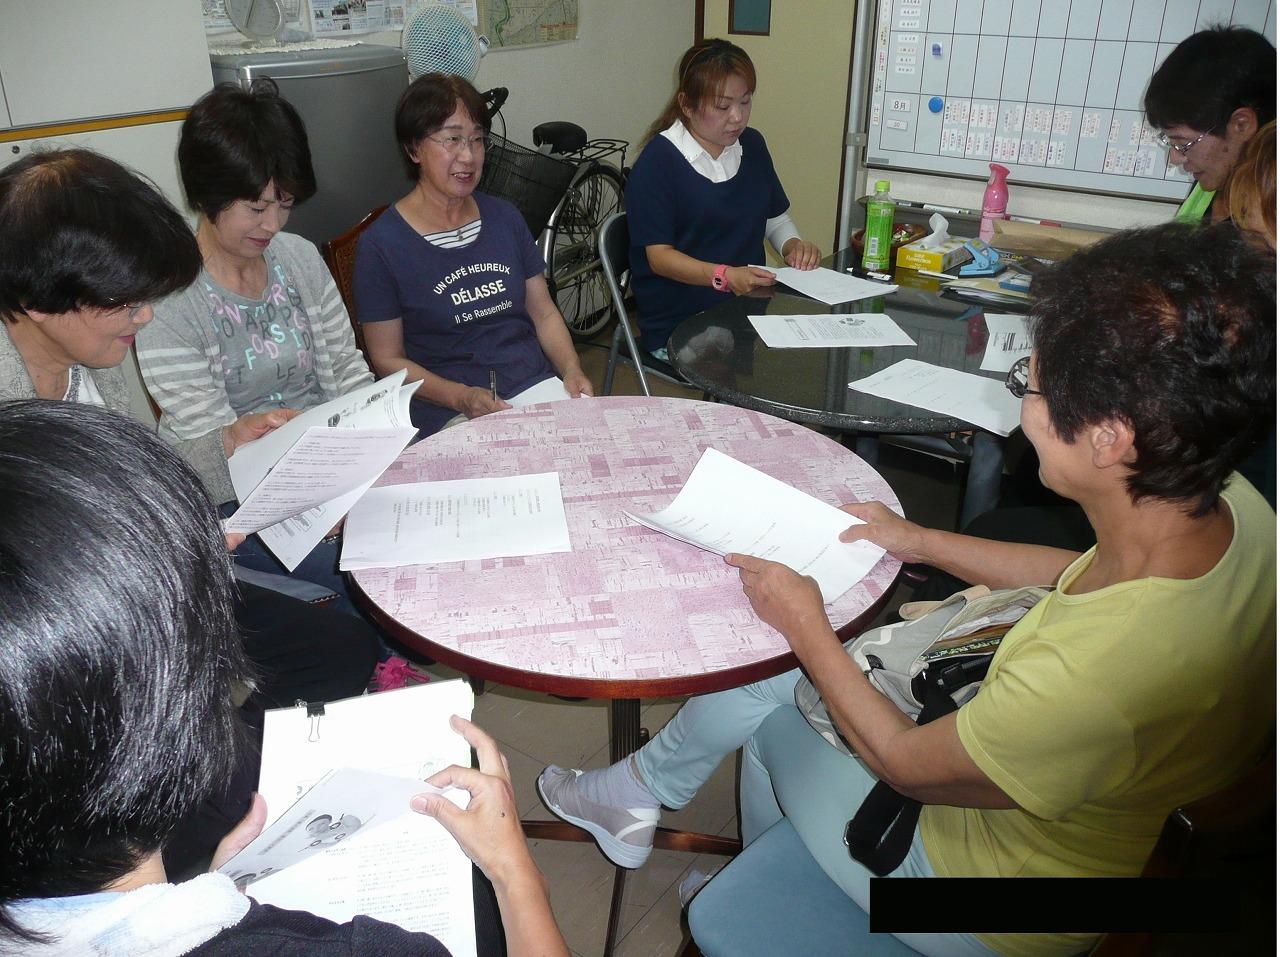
1145,681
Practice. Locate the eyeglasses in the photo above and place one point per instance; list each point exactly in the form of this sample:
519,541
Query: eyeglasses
1181,149
453,144
1018,377
133,307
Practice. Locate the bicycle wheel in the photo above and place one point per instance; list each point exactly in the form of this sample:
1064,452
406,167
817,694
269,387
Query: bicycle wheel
573,260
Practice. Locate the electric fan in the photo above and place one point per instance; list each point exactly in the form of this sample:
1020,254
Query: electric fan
439,39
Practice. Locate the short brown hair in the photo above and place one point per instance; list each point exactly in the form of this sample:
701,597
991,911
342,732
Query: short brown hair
426,104
704,69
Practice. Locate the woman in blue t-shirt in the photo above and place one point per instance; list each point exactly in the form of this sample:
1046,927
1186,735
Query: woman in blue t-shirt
703,196
448,282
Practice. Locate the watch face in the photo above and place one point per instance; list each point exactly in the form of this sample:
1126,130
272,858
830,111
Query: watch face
255,18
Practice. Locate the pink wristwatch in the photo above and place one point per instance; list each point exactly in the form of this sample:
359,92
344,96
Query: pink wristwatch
720,279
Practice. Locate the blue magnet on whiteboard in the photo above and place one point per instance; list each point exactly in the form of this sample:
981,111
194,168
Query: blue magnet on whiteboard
936,50
935,104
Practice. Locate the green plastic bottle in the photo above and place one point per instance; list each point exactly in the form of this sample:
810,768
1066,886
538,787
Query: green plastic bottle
877,240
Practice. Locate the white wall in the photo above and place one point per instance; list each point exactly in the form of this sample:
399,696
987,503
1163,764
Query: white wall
613,80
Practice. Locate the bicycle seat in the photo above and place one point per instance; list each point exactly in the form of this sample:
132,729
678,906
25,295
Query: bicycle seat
560,136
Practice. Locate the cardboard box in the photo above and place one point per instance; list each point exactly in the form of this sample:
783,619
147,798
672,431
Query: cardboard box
950,253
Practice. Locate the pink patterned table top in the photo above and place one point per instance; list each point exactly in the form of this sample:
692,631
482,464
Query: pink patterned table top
627,603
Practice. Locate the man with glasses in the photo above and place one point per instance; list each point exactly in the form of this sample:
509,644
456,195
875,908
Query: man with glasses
1207,99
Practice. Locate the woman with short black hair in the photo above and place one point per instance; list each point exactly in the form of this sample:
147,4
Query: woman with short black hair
118,660
262,327
85,246
448,282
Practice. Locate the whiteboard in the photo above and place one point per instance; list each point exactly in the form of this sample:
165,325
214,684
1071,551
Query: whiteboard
1052,89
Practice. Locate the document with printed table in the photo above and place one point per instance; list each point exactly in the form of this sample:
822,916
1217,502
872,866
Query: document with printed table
726,506
863,329
297,482
1008,340
458,520
333,777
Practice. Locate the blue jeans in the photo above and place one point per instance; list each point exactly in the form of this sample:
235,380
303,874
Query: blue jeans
320,567
789,771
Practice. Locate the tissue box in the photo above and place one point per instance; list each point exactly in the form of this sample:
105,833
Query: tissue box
949,253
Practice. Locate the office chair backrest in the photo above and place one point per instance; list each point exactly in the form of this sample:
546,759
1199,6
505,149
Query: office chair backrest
340,256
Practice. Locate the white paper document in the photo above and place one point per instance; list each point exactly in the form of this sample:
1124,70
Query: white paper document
974,398
824,331
378,405
409,871
828,285
459,520
726,506
548,390
325,464
345,803
1008,340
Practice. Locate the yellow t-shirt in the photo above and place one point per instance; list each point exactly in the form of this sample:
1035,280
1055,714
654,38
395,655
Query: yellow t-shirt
1103,711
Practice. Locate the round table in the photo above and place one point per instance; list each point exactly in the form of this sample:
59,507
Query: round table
629,613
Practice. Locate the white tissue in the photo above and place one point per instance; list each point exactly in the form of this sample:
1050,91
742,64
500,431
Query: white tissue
938,223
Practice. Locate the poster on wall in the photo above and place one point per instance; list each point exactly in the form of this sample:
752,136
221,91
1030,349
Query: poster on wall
522,23
346,17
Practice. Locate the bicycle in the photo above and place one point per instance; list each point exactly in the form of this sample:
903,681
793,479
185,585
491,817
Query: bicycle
565,188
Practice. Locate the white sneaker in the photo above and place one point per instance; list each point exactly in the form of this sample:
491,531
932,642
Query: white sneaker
624,834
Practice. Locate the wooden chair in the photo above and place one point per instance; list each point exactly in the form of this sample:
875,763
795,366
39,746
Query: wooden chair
1230,833
340,256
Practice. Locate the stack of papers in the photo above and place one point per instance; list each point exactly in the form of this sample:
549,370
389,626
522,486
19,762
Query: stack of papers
726,506
297,482
341,839
825,331
828,285
972,398
460,520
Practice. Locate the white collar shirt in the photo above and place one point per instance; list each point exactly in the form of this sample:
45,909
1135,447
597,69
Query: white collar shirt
717,169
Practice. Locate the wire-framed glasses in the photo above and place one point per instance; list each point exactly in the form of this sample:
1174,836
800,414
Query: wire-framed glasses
453,142
1182,149
1018,377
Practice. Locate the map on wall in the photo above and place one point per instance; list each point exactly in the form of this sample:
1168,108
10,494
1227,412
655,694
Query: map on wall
518,23
1052,90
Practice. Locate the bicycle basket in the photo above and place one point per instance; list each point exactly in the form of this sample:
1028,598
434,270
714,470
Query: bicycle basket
531,181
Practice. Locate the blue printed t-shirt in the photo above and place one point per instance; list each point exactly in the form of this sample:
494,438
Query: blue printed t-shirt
669,203
463,309
265,343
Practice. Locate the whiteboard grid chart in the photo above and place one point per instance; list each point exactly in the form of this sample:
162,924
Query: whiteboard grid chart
1050,88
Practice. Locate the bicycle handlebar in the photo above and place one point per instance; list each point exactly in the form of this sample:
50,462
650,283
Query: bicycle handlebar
495,98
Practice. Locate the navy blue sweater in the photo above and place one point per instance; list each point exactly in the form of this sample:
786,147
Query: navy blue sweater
669,203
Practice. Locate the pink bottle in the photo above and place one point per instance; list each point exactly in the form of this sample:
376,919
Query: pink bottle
994,202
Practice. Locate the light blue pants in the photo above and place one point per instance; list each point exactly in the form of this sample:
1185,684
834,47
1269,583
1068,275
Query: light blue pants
787,769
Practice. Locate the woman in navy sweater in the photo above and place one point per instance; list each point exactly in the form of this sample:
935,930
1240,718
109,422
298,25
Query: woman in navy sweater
703,196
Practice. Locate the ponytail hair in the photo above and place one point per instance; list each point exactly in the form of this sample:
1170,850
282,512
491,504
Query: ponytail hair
704,68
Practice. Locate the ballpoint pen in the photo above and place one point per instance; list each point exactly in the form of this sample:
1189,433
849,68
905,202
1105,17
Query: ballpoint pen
493,385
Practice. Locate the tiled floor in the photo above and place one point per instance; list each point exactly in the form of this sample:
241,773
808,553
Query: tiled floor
535,730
